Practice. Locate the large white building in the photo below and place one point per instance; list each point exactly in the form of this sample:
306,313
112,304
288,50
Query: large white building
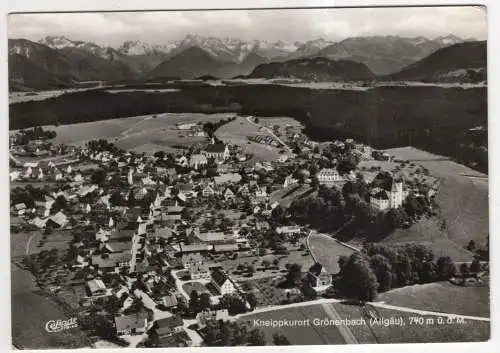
383,199
218,151
198,161
329,176
223,283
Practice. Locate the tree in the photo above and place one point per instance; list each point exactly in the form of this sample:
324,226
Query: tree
464,270
256,338
396,217
113,304
471,246
233,304
98,177
116,198
475,266
159,154
294,274
194,302
308,290
278,213
383,271
59,204
347,164
445,268
204,301
428,272
252,300
342,261
280,340
357,279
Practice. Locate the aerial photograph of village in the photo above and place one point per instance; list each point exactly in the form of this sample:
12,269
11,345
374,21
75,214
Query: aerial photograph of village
218,178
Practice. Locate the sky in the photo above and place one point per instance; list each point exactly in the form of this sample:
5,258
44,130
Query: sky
112,28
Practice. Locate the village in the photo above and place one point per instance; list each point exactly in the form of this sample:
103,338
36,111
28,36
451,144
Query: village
148,250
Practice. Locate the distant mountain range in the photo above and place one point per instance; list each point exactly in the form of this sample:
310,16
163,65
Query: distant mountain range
314,69
61,62
463,62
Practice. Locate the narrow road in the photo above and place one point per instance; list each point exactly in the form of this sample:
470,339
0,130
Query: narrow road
287,306
425,312
28,243
345,331
179,283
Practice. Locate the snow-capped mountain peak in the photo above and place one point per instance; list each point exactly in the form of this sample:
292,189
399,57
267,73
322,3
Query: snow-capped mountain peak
57,42
450,39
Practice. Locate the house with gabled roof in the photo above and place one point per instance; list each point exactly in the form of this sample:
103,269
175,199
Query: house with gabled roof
112,262
198,161
115,247
223,283
169,301
131,324
58,220
96,288
46,202
168,326
208,191
229,194
207,316
318,276
218,151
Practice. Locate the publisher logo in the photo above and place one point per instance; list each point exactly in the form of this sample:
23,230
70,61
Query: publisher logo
60,325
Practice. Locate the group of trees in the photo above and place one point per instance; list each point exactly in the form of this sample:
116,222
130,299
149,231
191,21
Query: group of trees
36,133
379,268
227,333
210,127
26,195
102,145
233,303
198,302
482,252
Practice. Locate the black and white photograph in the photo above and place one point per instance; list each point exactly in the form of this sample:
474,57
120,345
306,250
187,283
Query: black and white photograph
248,177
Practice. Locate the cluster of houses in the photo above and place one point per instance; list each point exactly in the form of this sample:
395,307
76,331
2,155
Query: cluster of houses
264,140
139,229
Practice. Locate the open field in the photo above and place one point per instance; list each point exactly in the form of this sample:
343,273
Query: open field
327,251
428,232
296,334
442,297
141,133
463,200
429,331
282,122
293,257
194,286
18,243
238,131
30,313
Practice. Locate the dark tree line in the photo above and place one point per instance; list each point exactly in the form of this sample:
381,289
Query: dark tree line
227,333
36,133
379,268
431,115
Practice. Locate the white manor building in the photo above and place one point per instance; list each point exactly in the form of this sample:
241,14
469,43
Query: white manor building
383,199
329,176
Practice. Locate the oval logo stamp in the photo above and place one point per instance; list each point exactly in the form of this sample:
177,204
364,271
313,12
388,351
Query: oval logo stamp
60,325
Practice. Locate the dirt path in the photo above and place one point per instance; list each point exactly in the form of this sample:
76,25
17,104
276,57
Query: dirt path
28,244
